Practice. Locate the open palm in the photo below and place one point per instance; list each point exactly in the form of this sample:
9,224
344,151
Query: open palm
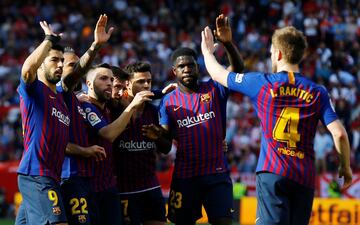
100,34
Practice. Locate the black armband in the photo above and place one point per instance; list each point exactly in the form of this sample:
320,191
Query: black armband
53,38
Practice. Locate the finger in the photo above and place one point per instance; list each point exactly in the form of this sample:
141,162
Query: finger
100,21
347,182
111,30
227,23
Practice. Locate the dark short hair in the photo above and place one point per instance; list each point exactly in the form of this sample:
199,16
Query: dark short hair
119,73
102,65
183,51
137,67
58,48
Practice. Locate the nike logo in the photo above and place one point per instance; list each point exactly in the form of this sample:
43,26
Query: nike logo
257,219
52,97
177,108
232,210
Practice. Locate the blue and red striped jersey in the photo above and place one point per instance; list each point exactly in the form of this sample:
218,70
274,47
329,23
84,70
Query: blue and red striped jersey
45,122
197,121
98,118
134,154
76,165
289,107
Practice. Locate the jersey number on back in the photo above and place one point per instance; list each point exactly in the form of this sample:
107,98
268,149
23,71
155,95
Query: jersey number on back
286,127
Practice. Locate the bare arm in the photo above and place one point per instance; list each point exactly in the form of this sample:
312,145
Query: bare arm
83,65
36,58
342,146
91,151
114,129
216,71
223,34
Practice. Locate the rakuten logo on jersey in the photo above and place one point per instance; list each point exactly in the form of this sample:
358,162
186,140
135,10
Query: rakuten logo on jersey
133,146
61,116
195,120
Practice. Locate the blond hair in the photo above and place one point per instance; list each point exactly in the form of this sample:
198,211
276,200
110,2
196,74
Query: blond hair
291,42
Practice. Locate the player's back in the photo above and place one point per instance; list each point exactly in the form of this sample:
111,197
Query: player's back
289,107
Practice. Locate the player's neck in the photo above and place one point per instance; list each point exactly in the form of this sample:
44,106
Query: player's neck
48,84
96,102
288,67
189,89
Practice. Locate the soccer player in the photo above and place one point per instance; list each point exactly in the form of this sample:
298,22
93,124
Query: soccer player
77,167
289,107
194,114
135,157
103,132
45,122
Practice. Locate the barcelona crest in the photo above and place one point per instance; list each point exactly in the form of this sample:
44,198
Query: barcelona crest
205,98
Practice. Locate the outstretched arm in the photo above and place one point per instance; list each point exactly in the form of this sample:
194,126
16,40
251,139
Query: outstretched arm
34,60
101,36
114,129
223,34
342,146
216,71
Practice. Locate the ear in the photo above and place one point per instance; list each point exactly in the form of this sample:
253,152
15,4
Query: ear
173,70
279,56
88,84
127,83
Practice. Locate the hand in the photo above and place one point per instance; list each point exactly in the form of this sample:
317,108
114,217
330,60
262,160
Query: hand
82,97
96,151
100,34
141,97
223,29
207,42
225,146
151,131
48,30
347,174
169,88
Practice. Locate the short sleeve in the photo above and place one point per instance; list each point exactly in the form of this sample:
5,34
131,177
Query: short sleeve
163,116
327,113
246,83
94,117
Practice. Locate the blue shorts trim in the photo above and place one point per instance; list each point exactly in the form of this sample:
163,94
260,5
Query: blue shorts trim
188,195
282,201
42,200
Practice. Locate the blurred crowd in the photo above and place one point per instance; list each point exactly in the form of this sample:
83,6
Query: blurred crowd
150,30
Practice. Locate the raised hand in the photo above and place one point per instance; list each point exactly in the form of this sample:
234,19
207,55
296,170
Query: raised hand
207,42
48,30
100,34
223,30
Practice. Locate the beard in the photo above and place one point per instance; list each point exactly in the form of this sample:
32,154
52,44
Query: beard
52,78
190,84
101,95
